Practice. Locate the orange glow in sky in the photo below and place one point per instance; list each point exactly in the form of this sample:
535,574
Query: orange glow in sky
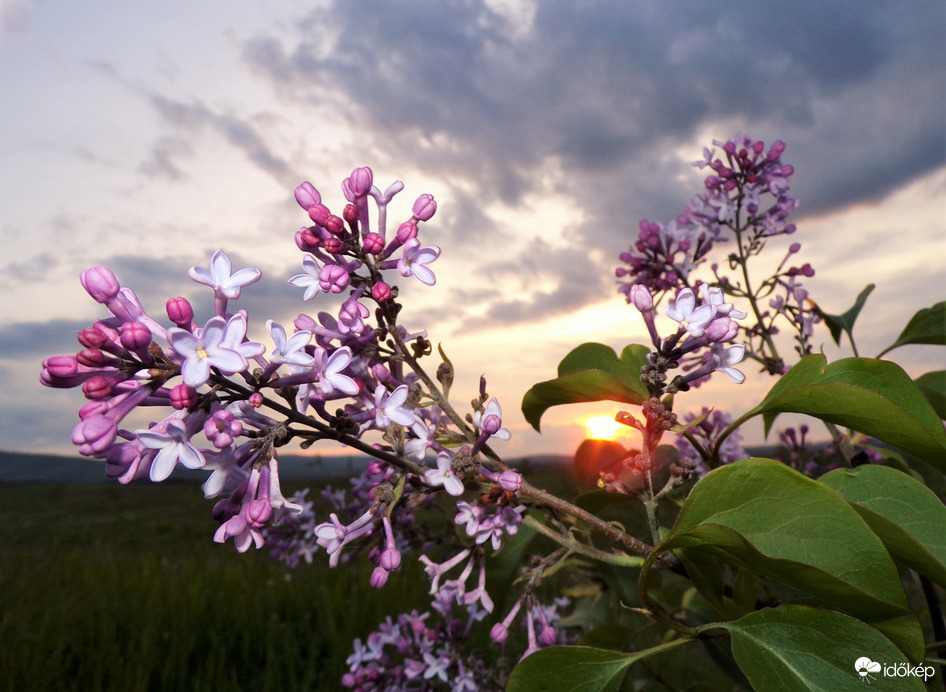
603,427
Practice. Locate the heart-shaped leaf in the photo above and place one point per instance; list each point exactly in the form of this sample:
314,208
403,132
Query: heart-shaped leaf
845,323
933,386
903,512
795,648
875,397
590,372
764,516
578,668
927,326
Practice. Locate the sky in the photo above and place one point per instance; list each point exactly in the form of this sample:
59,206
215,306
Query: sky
144,136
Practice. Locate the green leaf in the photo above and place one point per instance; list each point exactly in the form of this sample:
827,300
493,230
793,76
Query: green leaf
845,323
578,668
933,386
795,648
875,397
928,326
590,372
905,514
762,515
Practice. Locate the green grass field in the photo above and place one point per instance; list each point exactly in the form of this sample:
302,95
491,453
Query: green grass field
104,587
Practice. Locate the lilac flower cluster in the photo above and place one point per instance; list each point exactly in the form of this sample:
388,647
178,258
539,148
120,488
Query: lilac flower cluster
224,397
746,198
711,424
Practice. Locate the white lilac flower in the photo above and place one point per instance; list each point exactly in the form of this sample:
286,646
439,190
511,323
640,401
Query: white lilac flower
331,372
174,446
726,358
414,260
390,408
693,319
203,351
310,279
289,350
443,475
220,279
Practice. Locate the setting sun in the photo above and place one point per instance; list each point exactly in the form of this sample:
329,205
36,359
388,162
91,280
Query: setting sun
602,427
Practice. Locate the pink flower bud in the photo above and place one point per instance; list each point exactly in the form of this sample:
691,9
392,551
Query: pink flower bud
92,358
318,213
333,278
255,400
548,636
258,513
180,312
350,213
307,239
135,336
641,298
499,633
61,366
406,231
332,244
91,337
424,207
359,182
307,196
373,244
96,388
183,397
391,560
379,577
334,224
381,292
101,283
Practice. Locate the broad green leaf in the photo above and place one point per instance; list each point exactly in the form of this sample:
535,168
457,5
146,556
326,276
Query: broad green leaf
845,323
590,372
578,668
933,386
928,326
764,516
875,397
903,512
795,648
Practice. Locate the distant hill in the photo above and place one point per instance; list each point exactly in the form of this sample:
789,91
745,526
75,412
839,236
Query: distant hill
20,467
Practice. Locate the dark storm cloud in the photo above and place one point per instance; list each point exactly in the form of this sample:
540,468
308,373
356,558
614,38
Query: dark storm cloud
196,116
609,90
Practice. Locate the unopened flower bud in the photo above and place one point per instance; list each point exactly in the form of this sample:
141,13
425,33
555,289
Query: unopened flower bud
135,336
406,231
319,213
360,180
499,633
391,560
255,400
334,224
424,207
373,244
333,278
641,298
183,397
101,283
350,213
381,292
258,512
379,577
96,388
307,196
180,312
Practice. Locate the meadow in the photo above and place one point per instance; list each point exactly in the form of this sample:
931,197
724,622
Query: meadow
105,587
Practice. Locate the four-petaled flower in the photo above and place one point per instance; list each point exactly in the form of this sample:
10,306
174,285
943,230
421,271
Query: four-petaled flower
174,446
444,475
289,350
414,260
389,408
221,280
201,352
310,280
693,319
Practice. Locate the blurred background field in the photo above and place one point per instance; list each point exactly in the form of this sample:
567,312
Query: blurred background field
105,587
110,587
